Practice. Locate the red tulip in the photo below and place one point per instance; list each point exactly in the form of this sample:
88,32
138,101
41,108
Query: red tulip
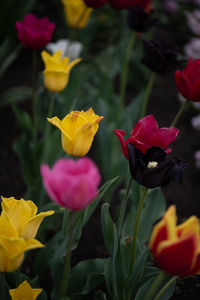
176,249
147,134
188,80
121,4
35,33
95,3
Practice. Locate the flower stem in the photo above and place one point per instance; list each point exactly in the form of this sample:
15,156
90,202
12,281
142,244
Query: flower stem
179,113
124,75
147,95
47,128
67,267
65,220
34,89
3,290
165,287
136,228
123,207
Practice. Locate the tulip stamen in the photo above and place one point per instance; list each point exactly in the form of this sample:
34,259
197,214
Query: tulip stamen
152,164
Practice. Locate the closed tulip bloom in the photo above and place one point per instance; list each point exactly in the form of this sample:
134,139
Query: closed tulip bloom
23,216
35,33
160,57
57,70
77,13
188,80
95,3
24,291
147,134
72,184
176,249
78,130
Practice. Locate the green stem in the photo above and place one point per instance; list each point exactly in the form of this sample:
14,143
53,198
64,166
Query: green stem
67,267
165,287
3,290
34,89
47,129
124,75
155,286
147,95
136,228
123,207
18,277
179,113
65,220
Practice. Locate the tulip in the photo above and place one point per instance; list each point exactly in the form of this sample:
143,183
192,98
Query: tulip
77,13
152,169
68,48
35,33
56,73
95,3
147,134
22,214
72,184
160,57
192,49
140,20
124,4
176,249
24,291
78,130
188,80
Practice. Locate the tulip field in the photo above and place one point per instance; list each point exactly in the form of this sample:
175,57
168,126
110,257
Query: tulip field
100,151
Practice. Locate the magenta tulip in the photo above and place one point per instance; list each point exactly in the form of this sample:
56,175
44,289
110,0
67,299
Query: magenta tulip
35,33
72,184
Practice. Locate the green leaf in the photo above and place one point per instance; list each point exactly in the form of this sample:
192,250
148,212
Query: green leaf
15,94
99,296
111,242
23,118
143,291
86,276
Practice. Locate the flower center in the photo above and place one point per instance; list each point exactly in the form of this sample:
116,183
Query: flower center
152,164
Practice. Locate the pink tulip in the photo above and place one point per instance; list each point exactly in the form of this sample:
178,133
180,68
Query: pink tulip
35,33
72,184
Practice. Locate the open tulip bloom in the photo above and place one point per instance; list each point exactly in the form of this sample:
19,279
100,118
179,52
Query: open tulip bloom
24,291
78,130
57,70
176,249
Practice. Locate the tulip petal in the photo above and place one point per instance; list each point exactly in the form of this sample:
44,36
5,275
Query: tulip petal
188,227
30,228
183,84
83,140
195,92
120,133
177,257
24,291
144,128
163,137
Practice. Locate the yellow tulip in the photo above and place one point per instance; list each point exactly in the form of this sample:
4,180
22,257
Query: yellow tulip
12,247
77,13
22,216
78,130
56,73
12,251
24,291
